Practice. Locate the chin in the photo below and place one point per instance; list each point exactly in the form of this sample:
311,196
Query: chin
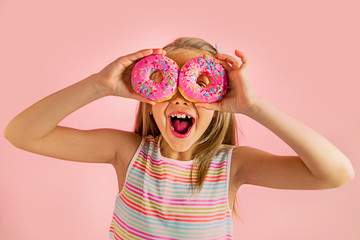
178,145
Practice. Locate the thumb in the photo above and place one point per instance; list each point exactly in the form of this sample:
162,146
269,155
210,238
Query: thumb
142,99
129,59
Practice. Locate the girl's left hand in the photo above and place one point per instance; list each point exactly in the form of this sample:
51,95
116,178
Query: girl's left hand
240,96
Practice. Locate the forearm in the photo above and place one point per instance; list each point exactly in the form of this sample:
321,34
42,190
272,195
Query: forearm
42,117
322,158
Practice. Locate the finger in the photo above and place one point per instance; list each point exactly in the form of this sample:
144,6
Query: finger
139,54
243,58
209,106
233,61
222,62
127,60
226,66
141,98
159,51
130,58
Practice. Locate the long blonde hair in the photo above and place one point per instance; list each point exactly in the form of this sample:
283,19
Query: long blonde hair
222,128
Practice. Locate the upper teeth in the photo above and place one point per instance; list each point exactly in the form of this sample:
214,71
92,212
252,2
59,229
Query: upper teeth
180,116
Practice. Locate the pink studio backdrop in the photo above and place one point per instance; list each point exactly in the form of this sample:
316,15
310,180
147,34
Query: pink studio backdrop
303,58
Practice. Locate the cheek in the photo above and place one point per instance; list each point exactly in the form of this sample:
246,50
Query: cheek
206,117
158,112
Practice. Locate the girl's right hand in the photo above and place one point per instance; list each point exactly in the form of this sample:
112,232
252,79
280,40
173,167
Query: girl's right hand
113,81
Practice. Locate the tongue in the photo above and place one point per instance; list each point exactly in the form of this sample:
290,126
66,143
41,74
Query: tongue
181,126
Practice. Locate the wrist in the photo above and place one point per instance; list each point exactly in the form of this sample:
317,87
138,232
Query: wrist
255,107
99,87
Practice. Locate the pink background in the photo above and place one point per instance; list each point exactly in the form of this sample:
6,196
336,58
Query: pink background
303,58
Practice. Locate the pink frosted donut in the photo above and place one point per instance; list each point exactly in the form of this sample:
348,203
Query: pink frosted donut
214,71
156,91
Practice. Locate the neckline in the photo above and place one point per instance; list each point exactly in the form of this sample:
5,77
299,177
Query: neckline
185,162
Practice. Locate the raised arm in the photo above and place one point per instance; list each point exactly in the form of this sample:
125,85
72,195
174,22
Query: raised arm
319,164
36,129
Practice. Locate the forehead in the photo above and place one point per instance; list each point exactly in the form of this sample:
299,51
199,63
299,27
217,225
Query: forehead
181,57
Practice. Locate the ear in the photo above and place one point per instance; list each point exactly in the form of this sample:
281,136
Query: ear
149,109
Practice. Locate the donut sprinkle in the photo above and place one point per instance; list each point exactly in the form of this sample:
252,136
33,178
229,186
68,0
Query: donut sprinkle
157,91
211,69
188,77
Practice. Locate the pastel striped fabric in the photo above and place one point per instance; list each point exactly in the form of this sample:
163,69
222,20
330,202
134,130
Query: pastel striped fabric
156,202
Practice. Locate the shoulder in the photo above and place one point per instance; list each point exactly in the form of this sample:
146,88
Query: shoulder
152,140
126,145
243,159
223,154
130,143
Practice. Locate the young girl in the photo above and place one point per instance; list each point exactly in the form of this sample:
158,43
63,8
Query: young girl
180,187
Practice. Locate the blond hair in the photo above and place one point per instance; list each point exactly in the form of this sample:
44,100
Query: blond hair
221,130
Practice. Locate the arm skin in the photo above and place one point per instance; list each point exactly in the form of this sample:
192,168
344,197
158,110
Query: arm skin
36,128
319,164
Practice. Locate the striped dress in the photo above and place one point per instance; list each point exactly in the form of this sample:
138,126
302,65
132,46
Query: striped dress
156,202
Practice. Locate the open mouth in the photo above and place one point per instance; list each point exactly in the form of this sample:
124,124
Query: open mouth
181,124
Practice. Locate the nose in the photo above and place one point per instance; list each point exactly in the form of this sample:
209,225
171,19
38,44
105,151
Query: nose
180,100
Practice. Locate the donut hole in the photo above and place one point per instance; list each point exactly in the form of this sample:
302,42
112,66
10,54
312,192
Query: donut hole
157,76
203,81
